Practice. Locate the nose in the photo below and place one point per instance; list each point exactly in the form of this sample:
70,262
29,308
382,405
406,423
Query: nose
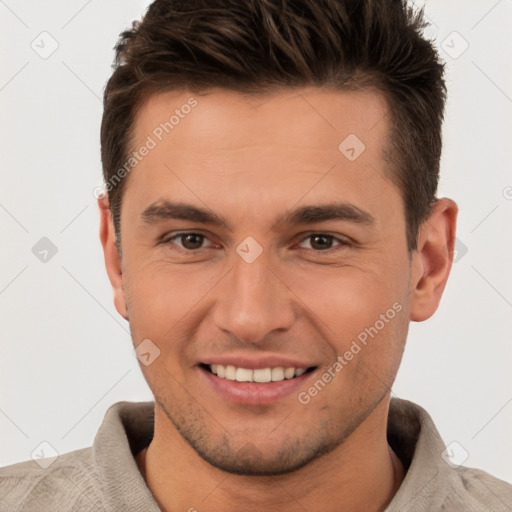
253,301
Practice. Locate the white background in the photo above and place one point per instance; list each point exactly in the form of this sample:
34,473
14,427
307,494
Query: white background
66,355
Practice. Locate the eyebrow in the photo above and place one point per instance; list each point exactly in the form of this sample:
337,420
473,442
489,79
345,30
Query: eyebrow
165,210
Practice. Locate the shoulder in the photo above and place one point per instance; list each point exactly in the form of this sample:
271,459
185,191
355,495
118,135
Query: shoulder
433,483
478,491
67,483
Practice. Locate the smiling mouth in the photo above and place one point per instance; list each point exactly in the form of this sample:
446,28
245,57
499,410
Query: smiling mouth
259,375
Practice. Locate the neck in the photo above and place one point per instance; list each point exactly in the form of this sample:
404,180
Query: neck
363,473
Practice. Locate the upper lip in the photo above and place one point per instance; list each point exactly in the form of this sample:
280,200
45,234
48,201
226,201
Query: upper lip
254,363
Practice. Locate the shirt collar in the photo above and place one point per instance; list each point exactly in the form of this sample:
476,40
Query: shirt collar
128,428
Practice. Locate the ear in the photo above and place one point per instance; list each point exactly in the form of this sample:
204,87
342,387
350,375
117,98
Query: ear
112,256
432,261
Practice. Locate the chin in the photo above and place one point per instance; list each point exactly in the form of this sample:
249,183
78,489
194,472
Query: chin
250,461
266,458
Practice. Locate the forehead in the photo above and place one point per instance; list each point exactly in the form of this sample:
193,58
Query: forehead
261,150
221,118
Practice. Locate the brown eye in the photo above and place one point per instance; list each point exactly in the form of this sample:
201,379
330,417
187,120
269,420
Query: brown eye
187,241
191,241
322,242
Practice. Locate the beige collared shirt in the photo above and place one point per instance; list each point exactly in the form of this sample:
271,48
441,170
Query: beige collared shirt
105,477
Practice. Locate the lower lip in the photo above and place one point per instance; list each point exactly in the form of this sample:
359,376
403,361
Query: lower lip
253,393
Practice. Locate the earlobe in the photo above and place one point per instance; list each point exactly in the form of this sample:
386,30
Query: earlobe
112,257
432,260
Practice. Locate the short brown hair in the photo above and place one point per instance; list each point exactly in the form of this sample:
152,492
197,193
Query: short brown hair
258,46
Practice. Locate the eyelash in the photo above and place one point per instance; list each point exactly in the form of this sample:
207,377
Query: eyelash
342,242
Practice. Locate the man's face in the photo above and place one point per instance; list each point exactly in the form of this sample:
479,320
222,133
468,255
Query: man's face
268,290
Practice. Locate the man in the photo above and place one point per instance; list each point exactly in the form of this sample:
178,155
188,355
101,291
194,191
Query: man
270,227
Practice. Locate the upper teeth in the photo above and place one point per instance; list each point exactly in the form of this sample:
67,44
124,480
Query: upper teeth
260,375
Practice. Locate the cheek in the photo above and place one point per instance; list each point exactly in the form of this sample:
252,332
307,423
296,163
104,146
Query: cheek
161,309
161,296
362,314
347,300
